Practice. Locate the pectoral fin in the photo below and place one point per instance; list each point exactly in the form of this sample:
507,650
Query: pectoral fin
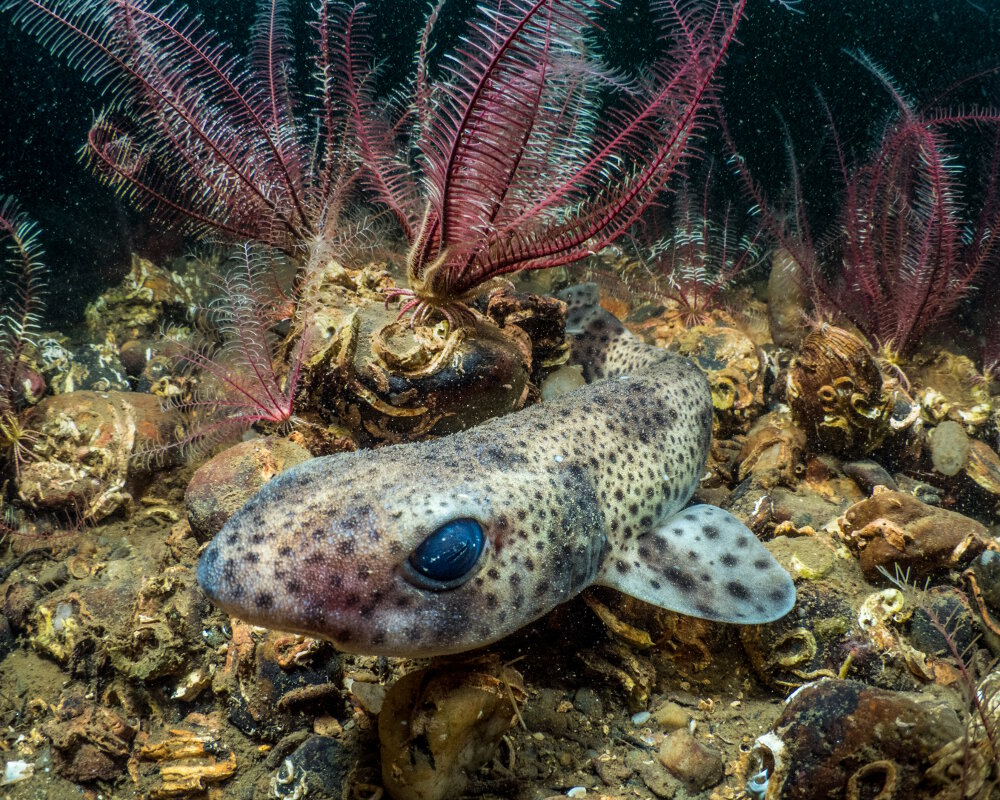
705,563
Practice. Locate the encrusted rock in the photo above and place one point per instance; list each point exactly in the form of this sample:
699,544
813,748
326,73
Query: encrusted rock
89,742
147,299
83,454
892,529
949,387
439,725
387,381
772,451
735,369
836,394
838,738
276,682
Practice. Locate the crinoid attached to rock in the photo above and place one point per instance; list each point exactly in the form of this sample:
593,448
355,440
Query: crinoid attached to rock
910,244
242,375
533,154
22,288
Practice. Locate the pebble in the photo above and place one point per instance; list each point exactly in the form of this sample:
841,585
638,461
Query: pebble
588,703
699,766
641,718
671,716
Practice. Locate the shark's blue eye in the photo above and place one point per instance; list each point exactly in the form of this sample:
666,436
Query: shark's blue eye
448,556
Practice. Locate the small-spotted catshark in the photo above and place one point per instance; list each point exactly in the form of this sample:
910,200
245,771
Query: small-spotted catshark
446,545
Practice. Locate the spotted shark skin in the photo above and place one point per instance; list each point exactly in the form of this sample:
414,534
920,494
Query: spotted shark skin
588,488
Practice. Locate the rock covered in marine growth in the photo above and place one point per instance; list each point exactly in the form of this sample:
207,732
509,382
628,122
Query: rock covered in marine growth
149,298
439,725
843,739
893,529
836,394
83,455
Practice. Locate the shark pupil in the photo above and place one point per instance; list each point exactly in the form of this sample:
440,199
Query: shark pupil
450,552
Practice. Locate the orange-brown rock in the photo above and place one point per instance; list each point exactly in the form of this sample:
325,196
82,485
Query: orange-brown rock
892,529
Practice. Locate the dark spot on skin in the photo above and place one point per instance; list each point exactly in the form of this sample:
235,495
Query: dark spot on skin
252,557
494,573
762,564
284,551
293,586
264,600
729,560
738,590
622,566
345,547
711,532
681,580
335,581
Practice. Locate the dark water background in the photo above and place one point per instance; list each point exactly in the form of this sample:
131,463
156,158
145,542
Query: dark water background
782,60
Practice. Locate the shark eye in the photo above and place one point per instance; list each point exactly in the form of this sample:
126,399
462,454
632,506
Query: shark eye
447,557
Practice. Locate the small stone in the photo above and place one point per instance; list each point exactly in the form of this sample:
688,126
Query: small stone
671,716
641,718
222,485
699,766
949,447
588,703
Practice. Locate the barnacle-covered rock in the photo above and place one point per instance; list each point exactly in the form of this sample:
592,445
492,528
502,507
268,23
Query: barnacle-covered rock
89,742
893,529
735,369
163,629
841,738
82,453
820,637
222,486
836,394
388,381
439,725
772,451
902,627
948,387
88,367
543,319
148,298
